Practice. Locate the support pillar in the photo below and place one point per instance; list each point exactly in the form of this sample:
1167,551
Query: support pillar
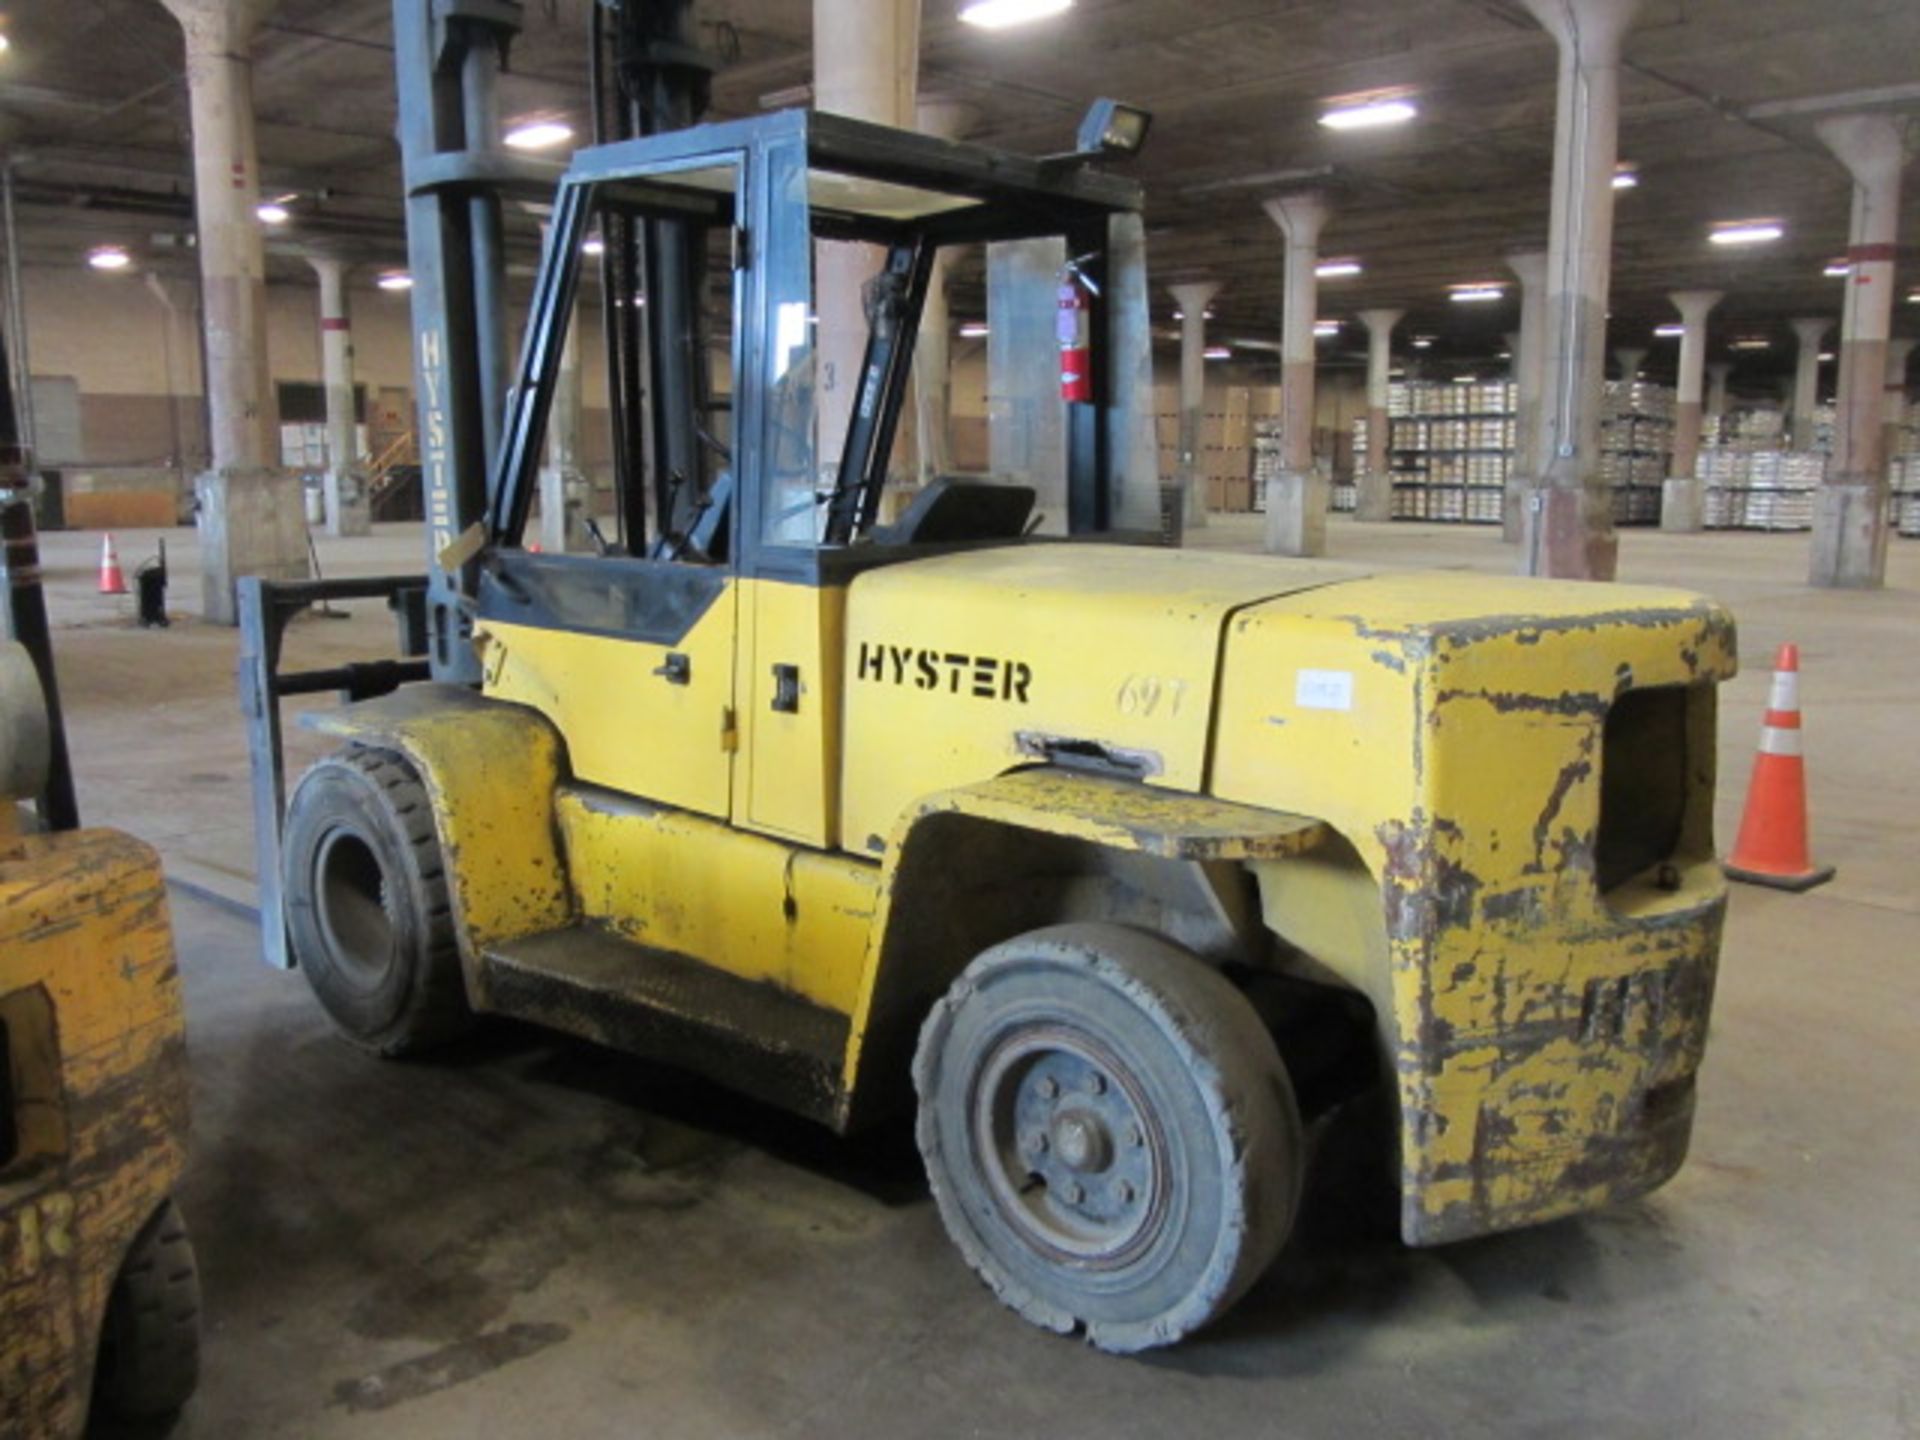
1193,300
1567,524
1681,500
1850,510
1374,493
344,486
566,494
1807,335
866,63
1297,497
1529,358
1631,358
932,349
250,517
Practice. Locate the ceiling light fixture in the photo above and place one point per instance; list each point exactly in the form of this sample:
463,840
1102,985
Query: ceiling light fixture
1746,232
1217,352
1837,270
1752,342
1337,269
1477,292
395,280
1369,114
593,245
272,212
973,330
5,43
1824,356
1003,14
108,257
1465,379
1324,328
1423,342
1668,332
538,134
1625,177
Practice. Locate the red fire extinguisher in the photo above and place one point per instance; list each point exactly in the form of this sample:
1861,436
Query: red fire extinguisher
1075,323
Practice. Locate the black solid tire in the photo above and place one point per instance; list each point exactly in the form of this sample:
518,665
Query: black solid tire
1215,1110
149,1358
367,909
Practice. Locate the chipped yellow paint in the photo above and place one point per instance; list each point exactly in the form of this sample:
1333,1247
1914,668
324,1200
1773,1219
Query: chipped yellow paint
91,1003
748,905
491,770
1545,1036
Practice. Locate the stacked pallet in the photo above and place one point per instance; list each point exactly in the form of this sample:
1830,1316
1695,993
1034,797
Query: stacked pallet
1636,448
1451,449
1759,489
1226,433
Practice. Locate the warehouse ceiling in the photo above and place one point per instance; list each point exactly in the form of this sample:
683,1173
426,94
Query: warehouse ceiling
1718,103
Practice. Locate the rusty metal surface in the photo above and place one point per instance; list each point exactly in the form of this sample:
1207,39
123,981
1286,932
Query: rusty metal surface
91,998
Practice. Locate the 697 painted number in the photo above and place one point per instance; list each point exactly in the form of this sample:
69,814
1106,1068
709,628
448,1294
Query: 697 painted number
1148,695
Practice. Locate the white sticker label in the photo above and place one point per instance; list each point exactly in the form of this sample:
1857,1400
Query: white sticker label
1324,690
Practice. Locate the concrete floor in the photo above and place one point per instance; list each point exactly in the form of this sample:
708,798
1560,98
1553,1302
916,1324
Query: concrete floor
531,1236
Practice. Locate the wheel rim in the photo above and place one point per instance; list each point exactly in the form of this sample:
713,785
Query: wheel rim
1072,1151
351,893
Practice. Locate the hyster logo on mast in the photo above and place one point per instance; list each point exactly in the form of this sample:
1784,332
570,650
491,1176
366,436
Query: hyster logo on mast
981,676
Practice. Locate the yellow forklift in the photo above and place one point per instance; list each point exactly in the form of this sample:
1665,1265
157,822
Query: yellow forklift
1119,864
99,1295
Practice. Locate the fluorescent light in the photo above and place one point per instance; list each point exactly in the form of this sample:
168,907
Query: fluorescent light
1206,314
593,245
1466,379
1824,356
1369,114
272,212
1324,328
1000,14
1625,178
395,280
1753,342
108,257
1746,232
539,134
1473,294
1668,332
1337,269
1837,270
973,330
1423,342
5,43
1217,352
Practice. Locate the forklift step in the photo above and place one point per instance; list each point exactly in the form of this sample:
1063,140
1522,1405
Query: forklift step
746,1034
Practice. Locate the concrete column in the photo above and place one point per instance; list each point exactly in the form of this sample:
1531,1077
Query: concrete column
1717,374
932,364
1297,499
1026,418
1568,518
1807,335
1630,358
866,62
1680,494
1850,512
343,487
1374,492
1529,359
250,512
1193,300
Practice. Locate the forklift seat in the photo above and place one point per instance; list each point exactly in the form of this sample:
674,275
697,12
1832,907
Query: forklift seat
953,509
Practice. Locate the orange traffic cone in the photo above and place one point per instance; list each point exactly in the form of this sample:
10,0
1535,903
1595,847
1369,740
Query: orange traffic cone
1772,848
112,582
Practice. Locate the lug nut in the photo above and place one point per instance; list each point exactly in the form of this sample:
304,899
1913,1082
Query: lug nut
1072,1193
1037,1142
1048,1087
1124,1190
1097,1083
1135,1136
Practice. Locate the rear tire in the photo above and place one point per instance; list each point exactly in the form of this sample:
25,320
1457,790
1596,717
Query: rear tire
149,1359
368,912
1110,1135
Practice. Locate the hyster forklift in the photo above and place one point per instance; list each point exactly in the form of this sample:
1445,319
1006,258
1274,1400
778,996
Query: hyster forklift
1121,863
99,1295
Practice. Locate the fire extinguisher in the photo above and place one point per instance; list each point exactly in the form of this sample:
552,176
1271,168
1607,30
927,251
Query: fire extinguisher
1075,323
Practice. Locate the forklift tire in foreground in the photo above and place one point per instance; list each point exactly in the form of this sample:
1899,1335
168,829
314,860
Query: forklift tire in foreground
1109,1131
149,1357
367,906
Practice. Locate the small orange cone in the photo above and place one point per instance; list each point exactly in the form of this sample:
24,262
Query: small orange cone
1772,848
112,582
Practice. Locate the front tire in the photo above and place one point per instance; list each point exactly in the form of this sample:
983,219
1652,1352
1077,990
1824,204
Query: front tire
368,914
149,1360
1109,1132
